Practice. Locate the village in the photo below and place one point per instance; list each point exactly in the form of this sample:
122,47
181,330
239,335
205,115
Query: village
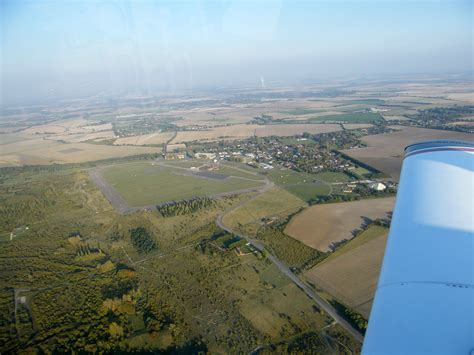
299,154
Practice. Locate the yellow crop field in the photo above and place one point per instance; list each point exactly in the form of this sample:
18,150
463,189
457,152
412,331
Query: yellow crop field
44,151
352,272
244,131
145,139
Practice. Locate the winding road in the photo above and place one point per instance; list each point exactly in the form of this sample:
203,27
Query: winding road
322,303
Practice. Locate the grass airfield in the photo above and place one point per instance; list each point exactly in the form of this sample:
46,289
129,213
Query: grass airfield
148,183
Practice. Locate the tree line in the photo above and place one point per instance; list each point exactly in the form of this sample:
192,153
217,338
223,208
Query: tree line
176,208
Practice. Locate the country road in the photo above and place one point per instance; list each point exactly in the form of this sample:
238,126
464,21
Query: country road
326,306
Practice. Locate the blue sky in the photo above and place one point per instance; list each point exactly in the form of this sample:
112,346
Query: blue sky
72,48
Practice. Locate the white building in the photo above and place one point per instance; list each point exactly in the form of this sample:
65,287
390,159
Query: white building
209,156
377,186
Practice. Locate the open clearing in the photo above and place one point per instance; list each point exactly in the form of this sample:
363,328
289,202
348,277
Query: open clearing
275,202
245,131
351,273
320,226
385,151
145,183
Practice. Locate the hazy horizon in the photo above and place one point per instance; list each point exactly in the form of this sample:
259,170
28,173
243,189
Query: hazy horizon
75,49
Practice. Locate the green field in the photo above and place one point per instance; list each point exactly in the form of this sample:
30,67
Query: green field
360,171
143,184
308,192
303,185
332,177
301,111
241,171
356,117
290,177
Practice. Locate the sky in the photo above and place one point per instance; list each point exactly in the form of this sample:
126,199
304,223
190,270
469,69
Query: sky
75,49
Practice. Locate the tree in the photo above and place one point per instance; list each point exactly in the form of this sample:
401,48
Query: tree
142,240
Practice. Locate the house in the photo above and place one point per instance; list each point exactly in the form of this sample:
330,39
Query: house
173,156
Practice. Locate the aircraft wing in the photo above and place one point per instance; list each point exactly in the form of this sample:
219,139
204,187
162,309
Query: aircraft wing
424,303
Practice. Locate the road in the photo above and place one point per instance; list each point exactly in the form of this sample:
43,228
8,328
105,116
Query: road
322,303
109,192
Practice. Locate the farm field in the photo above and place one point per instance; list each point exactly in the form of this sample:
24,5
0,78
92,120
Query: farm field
146,139
142,184
65,126
245,131
350,274
364,117
302,111
70,131
244,113
84,137
307,192
42,151
320,226
385,151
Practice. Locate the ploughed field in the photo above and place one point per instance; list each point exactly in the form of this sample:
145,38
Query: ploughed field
320,226
146,183
385,151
